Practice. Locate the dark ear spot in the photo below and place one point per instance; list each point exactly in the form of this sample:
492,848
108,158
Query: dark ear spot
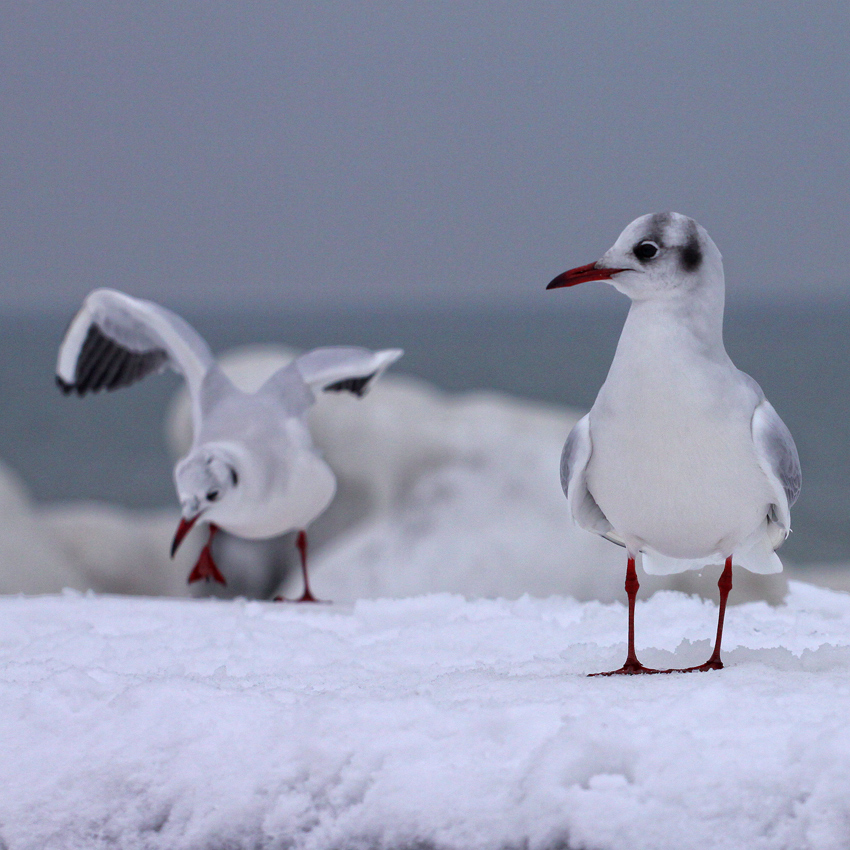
233,476
691,255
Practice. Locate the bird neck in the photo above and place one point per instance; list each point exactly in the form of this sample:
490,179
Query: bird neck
691,319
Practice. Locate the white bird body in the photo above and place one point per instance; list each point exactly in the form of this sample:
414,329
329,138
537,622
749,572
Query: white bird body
674,466
681,459
252,469
285,483
672,461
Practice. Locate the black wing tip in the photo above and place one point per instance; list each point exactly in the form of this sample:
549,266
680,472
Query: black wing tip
63,385
80,389
356,386
104,364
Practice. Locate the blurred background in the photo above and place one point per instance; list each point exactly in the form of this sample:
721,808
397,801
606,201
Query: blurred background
413,175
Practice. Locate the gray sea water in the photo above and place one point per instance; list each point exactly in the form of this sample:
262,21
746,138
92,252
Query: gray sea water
111,447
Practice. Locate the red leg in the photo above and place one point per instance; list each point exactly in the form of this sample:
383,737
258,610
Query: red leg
725,585
301,543
632,664
205,568
306,596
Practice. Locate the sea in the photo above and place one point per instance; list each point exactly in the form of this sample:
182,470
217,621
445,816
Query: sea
111,447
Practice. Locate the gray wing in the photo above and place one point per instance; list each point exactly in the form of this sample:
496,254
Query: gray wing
576,453
115,340
344,368
778,458
331,369
574,459
289,390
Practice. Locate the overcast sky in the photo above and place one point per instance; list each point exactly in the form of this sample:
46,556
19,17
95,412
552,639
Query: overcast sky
351,153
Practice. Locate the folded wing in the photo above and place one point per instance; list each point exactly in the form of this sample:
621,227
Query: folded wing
574,460
778,458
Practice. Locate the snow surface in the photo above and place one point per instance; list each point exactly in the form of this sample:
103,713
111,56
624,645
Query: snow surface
430,722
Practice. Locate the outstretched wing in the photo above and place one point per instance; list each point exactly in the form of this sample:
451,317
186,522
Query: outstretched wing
115,340
332,369
574,460
344,368
778,458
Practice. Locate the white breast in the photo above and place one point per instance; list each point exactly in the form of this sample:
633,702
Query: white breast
673,465
311,488
284,484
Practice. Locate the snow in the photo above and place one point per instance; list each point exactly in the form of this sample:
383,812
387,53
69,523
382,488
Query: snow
433,721
413,712
453,482
30,560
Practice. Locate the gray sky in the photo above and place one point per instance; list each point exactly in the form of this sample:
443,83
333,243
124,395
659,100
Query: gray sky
319,153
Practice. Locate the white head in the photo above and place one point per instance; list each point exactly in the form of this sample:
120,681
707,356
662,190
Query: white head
661,255
207,482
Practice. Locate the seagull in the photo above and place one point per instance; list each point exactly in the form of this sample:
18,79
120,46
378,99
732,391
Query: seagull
681,458
252,469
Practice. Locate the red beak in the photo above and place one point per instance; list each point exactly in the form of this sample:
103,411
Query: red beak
182,530
583,274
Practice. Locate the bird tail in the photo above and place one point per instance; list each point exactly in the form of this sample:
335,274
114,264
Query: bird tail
656,564
755,554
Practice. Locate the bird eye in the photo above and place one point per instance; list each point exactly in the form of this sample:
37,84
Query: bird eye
233,476
213,495
645,250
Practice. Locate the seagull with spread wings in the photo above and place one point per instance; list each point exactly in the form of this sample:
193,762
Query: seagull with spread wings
252,469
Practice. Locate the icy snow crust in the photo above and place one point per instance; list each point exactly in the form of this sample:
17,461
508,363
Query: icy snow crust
431,722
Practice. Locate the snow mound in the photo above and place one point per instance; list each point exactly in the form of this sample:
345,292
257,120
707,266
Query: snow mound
31,561
448,493
436,493
431,722
115,550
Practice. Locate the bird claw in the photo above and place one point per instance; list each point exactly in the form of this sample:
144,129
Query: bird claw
711,664
206,569
305,597
630,668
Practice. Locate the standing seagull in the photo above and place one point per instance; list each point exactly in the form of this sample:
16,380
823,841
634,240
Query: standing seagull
252,469
681,457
